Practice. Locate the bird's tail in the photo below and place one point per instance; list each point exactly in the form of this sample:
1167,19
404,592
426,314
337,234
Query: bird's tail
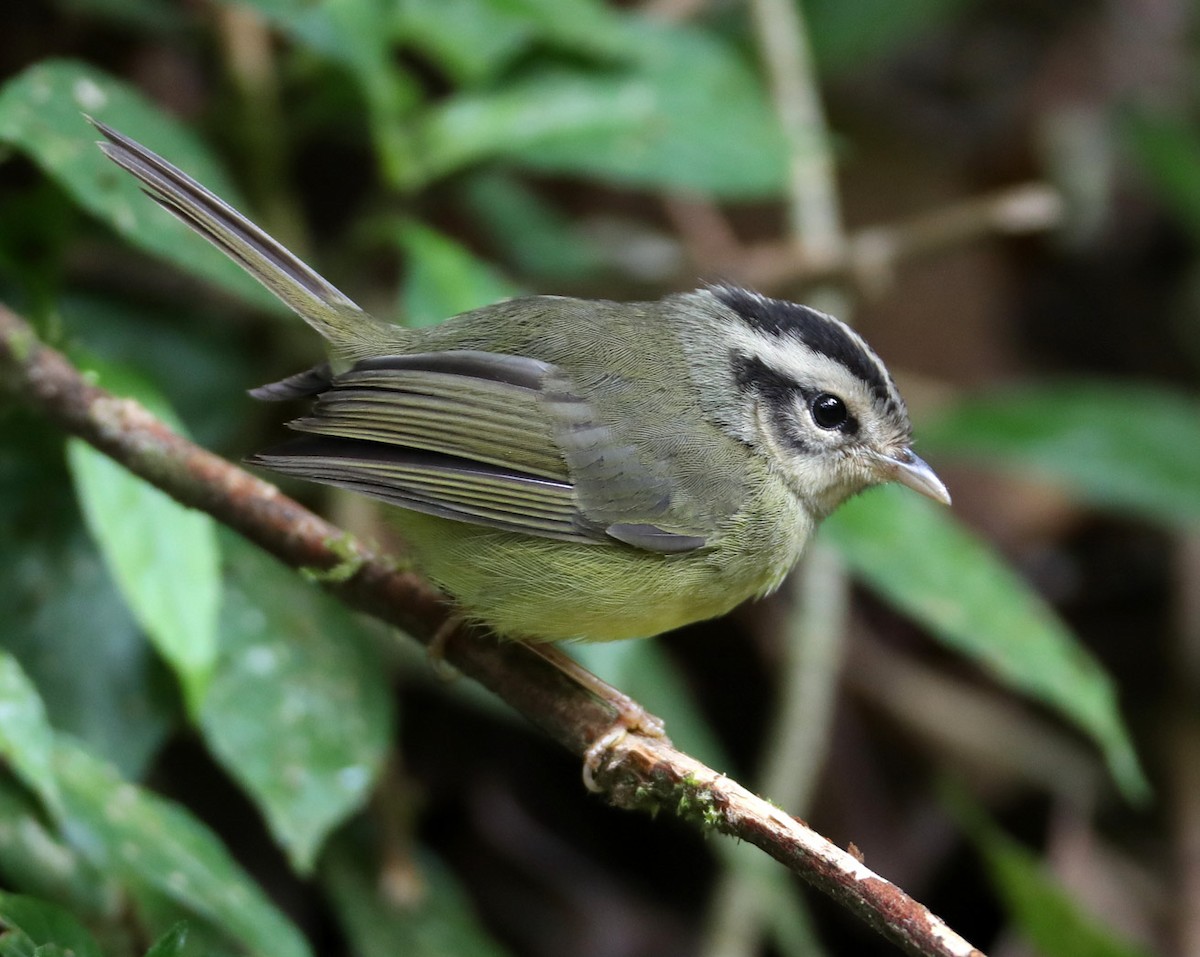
350,331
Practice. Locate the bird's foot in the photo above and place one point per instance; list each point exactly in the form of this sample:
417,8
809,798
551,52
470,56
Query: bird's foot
632,718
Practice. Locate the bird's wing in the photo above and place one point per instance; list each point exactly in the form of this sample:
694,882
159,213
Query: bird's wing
495,440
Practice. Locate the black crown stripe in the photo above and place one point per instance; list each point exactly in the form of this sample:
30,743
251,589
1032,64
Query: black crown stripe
819,332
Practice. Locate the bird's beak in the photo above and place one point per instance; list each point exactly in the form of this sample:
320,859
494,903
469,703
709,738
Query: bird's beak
910,469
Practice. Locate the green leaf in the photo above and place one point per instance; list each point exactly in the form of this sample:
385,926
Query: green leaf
172,943
35,860
443,278
519,119
648,123
17,944
162,555
142,838
1134,448
76,639
299,710
202,362
1168,150
582,28
41,114
64,620
915,554
528,231
25,735
1037,904
51,930
473,41
157,915
437,921
357,35
848,35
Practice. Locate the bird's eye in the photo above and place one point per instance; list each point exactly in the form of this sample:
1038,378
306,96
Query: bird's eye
829,412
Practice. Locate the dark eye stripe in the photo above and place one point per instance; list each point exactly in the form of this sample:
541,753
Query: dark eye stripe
817,331
779,393
753,375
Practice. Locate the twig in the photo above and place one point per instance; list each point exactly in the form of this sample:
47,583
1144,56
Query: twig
643,772
637,773
871,256
869,259
814,210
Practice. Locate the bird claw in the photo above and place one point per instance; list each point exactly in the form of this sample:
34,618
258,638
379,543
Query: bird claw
596,753
632,718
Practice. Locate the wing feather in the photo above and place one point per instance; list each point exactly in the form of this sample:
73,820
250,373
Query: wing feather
440,424
436,485
493,440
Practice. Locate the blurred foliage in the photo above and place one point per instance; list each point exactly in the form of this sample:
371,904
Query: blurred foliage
1048,917
162,555
443,154
966,596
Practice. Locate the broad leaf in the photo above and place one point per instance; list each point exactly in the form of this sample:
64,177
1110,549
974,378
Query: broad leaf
443,278
74,635
171,944
179,927
51,930
36,860
437,921
648,122
1037,904
299,710
25,736
1168,150
41,114
163,555
528,231
584,28
202,362
920,559
470,39
65,621
142,838
1135,448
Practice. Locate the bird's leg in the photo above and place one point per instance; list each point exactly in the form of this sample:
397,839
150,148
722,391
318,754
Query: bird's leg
435,651
631,716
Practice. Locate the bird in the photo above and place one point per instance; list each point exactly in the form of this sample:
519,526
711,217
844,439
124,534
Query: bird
569,468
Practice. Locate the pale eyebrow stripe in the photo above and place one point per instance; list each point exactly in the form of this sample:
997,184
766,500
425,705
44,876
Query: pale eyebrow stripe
821,333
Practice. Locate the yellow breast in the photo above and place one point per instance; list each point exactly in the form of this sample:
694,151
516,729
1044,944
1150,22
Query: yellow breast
539,589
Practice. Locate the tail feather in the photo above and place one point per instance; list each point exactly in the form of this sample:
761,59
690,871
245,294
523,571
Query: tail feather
328,310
